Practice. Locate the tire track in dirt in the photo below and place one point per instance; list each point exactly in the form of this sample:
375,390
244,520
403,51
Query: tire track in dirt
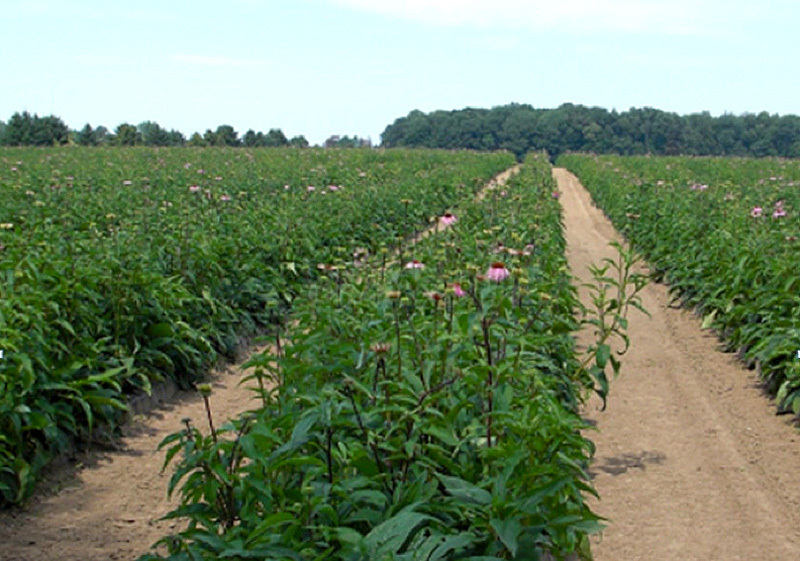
107,506
692,462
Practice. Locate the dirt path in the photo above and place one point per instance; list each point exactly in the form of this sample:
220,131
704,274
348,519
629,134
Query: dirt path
692,462
107,508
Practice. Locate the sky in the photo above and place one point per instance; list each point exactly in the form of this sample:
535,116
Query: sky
352,67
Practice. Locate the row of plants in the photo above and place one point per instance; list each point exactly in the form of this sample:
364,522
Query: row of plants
421,406
724,234
119,268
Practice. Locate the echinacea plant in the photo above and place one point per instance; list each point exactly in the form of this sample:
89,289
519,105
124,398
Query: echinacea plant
419,416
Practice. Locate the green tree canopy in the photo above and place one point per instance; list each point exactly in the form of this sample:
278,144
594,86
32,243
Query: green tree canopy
298,142
24,129
521,129
127,135
152,134
225,135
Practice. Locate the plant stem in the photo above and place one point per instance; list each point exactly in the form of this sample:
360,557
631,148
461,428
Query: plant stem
210,419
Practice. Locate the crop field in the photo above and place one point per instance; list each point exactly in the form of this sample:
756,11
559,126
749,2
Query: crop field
725,235
121,267
424,398
438,355
421,408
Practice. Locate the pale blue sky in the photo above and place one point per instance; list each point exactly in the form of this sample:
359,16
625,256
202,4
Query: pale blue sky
322,67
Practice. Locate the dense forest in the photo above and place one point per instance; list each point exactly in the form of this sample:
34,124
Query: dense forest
576,128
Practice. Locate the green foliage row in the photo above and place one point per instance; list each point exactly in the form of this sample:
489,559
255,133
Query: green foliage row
423,408
576,128
724,234
121,267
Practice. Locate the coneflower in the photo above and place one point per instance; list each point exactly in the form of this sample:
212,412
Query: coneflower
448,219
497,272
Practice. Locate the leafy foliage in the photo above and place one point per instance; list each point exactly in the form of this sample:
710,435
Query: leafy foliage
576,128
119,267
724,234
419,409
24,129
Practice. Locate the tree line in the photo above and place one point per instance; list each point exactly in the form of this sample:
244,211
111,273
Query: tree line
24,129
515,127
576,128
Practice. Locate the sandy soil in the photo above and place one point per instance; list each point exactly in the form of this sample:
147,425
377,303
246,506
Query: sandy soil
107,505
692,462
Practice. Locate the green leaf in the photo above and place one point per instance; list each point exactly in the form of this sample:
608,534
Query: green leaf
446,436
508,530
271,522
452,543
708,320
391,535
464,490
603,352
158,330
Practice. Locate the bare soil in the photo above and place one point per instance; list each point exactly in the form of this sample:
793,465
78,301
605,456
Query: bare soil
692,463
106,505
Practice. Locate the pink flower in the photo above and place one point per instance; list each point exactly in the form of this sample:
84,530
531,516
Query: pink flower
458,291
448,219
333,187
127,182
194,188
698,187
497,272
218,178
415,265
779,212
729,196
556,194
756,212
225,198
187,165
310,188
285,187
